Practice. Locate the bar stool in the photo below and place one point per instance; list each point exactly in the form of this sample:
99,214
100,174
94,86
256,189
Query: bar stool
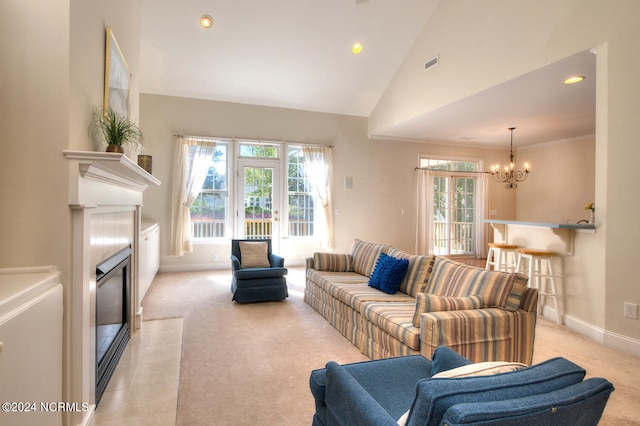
541,276
503,257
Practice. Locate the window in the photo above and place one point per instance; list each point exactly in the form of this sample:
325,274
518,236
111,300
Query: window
301,206
454,206
209,212
256,150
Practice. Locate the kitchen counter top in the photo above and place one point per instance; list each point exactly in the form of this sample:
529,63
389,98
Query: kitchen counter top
564,231
543,224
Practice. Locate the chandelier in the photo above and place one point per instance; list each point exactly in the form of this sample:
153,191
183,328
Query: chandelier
509,175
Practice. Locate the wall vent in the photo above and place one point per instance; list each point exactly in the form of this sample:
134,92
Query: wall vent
431,62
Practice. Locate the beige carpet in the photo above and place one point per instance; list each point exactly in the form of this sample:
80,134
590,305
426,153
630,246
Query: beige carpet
250,364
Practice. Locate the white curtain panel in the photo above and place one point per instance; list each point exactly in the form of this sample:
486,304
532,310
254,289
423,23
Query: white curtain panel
191,164
319,166
424,214
482,206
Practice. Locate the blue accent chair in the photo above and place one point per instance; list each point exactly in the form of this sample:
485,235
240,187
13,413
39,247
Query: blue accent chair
258,284
379,392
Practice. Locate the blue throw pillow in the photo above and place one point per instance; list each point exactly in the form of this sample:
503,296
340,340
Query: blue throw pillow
388,273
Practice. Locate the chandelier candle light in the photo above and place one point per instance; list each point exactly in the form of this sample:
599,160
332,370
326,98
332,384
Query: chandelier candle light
510,176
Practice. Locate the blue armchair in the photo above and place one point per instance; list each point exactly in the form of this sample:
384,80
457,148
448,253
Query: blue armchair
383,391
260,276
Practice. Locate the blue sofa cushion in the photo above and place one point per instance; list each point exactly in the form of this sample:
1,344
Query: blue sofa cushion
578,404
435,396
388,273
259,273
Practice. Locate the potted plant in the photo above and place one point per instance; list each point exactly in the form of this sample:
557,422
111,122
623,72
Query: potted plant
115,131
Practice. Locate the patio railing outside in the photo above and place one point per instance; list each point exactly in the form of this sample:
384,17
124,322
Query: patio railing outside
253,228
454,238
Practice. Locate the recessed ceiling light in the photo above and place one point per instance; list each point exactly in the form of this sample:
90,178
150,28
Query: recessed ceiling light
357,48
574,79
206,21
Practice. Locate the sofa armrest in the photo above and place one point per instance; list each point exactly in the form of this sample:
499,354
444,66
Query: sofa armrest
332,262
276,261
235,263
490,334
309,263
348,403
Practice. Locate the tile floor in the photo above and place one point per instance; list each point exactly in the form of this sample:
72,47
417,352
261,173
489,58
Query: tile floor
144,387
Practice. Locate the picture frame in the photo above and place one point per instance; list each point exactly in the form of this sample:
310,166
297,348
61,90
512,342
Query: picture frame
117,78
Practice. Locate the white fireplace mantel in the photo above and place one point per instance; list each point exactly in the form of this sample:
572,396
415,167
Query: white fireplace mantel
105,178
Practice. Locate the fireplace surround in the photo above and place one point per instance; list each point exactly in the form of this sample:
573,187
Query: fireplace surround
105,201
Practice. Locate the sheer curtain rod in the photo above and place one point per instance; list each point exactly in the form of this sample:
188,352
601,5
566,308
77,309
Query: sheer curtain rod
207,138
450,171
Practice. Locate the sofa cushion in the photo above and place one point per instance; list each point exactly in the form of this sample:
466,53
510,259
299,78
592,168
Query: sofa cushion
332,262
365,256
254,254
435,396
355,294
497,289
394,319
415,280
426,302
388,273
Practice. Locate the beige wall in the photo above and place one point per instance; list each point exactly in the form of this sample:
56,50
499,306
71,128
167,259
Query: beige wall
34,102
561,183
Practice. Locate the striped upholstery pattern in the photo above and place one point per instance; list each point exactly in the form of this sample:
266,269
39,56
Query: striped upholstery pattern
376,343
491,334
355,295
332,262
426,302
415,280
394,319
365,256
498,289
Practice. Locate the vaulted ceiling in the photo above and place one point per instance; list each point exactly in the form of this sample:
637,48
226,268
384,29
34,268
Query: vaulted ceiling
297,54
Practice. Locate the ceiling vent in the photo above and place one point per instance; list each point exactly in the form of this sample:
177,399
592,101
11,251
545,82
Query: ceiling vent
431,62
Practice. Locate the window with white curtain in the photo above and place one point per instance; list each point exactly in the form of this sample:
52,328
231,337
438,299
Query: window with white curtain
210,210
301,196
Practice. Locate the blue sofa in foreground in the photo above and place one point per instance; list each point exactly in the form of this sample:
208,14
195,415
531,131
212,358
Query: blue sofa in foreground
451,390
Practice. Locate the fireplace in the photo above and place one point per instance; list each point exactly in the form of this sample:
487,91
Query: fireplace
113,280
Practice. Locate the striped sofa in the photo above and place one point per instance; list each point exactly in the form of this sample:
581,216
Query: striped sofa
483,315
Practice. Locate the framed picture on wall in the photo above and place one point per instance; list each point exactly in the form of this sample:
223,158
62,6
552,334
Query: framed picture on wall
117,78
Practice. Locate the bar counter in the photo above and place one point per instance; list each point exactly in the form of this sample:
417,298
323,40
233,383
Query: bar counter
565,231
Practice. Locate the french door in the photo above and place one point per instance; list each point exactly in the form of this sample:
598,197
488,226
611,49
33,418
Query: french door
454,215
258,210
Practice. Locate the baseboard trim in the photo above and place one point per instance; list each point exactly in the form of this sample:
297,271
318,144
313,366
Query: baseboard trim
194,267
608,338
198,267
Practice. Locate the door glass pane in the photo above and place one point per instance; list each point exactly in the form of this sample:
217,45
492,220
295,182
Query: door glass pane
454,215
258,202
